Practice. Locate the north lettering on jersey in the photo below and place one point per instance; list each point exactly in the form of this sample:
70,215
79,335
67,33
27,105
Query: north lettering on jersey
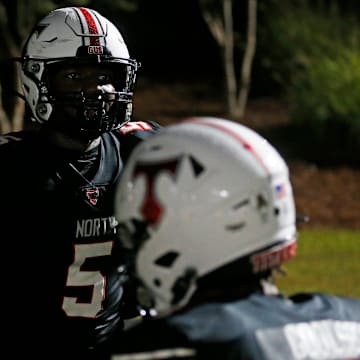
92,227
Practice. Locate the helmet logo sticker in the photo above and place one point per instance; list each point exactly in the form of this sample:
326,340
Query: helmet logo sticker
280,191
95,50
151,208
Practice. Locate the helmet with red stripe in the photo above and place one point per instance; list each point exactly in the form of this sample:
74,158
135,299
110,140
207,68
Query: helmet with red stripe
73,36
199,196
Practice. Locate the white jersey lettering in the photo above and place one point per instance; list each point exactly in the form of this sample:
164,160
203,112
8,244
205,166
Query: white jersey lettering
324,339
94,227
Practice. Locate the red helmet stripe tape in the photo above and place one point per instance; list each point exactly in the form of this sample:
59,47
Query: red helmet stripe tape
94,41
237,137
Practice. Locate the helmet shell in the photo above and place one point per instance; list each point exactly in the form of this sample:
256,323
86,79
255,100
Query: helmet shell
66,31
211,191
70,34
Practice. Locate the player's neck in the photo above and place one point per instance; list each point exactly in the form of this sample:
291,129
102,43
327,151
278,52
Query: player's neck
93,144
67,144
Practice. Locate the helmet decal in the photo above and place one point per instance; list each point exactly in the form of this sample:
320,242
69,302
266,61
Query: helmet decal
94,47
280,190
151,208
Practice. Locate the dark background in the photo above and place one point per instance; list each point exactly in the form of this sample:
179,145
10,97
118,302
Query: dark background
171,40
173,43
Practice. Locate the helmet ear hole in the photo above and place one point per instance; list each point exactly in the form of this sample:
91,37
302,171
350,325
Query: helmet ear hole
157,282
183,285
168,259
42,110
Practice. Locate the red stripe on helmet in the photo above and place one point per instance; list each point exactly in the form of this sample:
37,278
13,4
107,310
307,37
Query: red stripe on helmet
94,41
237,137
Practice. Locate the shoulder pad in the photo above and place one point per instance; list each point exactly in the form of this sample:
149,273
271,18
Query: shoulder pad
133,126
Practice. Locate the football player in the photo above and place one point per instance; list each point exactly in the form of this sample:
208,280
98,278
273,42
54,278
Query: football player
61,283
207,207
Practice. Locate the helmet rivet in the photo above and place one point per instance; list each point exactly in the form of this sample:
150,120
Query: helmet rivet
43,89
35,68
41,109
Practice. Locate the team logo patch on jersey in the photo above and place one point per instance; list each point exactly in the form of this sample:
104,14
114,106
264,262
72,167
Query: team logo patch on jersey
92,195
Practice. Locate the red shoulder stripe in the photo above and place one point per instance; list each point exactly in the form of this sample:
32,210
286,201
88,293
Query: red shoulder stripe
134,126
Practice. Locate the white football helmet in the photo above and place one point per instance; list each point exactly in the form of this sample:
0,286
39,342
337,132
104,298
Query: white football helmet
199,195
77,35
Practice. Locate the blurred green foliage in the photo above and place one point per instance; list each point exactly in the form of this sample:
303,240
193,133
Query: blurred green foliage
294,34
311,50
326,100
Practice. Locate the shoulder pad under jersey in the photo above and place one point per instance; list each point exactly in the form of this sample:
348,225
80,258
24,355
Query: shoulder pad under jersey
133,133
138,128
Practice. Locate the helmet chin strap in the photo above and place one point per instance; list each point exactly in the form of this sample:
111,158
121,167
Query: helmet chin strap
268,287
93,144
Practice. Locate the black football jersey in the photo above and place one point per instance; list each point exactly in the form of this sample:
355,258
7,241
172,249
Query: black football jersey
305,326
60,279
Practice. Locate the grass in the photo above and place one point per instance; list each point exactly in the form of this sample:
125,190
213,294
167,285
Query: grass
327,261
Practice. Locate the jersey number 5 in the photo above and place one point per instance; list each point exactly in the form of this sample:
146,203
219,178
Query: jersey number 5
79,278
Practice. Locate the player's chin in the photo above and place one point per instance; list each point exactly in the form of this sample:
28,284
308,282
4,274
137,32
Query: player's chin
83,136
83,130
70,140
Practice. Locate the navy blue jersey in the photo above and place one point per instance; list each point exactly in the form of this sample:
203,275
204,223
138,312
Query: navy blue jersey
59,268
305,326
